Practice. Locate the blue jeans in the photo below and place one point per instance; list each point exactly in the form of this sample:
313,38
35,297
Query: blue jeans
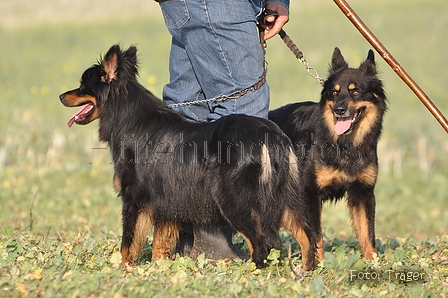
215,51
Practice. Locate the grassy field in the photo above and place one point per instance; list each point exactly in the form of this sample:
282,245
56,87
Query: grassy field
60,219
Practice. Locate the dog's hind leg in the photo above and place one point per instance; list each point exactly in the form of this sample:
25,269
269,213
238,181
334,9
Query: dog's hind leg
136,223
259,247
166,236
304,235
361,203
249,225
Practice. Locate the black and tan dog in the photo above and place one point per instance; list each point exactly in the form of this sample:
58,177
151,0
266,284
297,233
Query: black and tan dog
336,144
238,170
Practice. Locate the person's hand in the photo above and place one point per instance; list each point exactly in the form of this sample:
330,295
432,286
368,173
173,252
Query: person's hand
274,24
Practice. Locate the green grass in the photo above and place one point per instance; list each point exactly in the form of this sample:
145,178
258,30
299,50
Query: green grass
60,222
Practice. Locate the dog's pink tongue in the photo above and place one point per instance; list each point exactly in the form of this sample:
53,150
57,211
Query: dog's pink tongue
79,114
342,125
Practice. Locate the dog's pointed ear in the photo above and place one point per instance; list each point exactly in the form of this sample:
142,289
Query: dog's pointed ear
110,64
128,61
369,66
337,61
131,54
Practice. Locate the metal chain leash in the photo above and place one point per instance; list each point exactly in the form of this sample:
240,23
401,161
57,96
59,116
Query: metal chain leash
232,95
312,71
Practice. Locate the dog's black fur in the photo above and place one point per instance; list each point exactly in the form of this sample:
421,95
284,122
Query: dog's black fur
238,170
336,158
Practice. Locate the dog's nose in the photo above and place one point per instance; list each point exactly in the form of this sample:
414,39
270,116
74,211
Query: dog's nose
61,97
340,111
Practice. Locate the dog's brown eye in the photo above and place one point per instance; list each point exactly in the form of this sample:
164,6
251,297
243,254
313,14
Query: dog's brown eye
334,93
356,93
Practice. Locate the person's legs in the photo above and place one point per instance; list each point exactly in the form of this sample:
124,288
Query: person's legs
183,86
215,51
236,41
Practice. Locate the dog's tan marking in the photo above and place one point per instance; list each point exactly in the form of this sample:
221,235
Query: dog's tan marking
368,175
320,248
351,86
71,99
250,246
368,120
257,222
293,223
361,227
166,236
266,167
327,175
337,87
117,183
125,257
144,221
330,119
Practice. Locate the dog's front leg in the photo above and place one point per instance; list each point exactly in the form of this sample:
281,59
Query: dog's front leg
165,237
361,203
136,223
313,202
315,218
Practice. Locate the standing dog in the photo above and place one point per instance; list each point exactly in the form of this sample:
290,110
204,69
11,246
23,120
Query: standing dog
238,170
336,144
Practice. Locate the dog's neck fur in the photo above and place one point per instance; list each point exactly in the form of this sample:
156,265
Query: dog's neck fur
130,102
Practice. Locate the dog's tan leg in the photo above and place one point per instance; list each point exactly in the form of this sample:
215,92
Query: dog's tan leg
256,239
363,227
361,203
295,225
320,248
141,227
166,236
249,245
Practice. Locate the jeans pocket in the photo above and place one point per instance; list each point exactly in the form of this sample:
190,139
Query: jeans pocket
175,13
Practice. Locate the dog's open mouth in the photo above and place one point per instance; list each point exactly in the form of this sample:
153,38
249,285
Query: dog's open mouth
81,114
344,125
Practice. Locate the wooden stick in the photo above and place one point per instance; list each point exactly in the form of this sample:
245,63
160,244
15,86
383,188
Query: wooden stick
359,24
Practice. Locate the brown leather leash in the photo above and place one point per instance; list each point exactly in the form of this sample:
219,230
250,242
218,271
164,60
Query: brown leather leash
289,43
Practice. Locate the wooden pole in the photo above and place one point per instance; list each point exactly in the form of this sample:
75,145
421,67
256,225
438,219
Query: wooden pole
379,47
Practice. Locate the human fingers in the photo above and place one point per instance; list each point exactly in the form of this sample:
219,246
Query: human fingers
275,27
275,22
